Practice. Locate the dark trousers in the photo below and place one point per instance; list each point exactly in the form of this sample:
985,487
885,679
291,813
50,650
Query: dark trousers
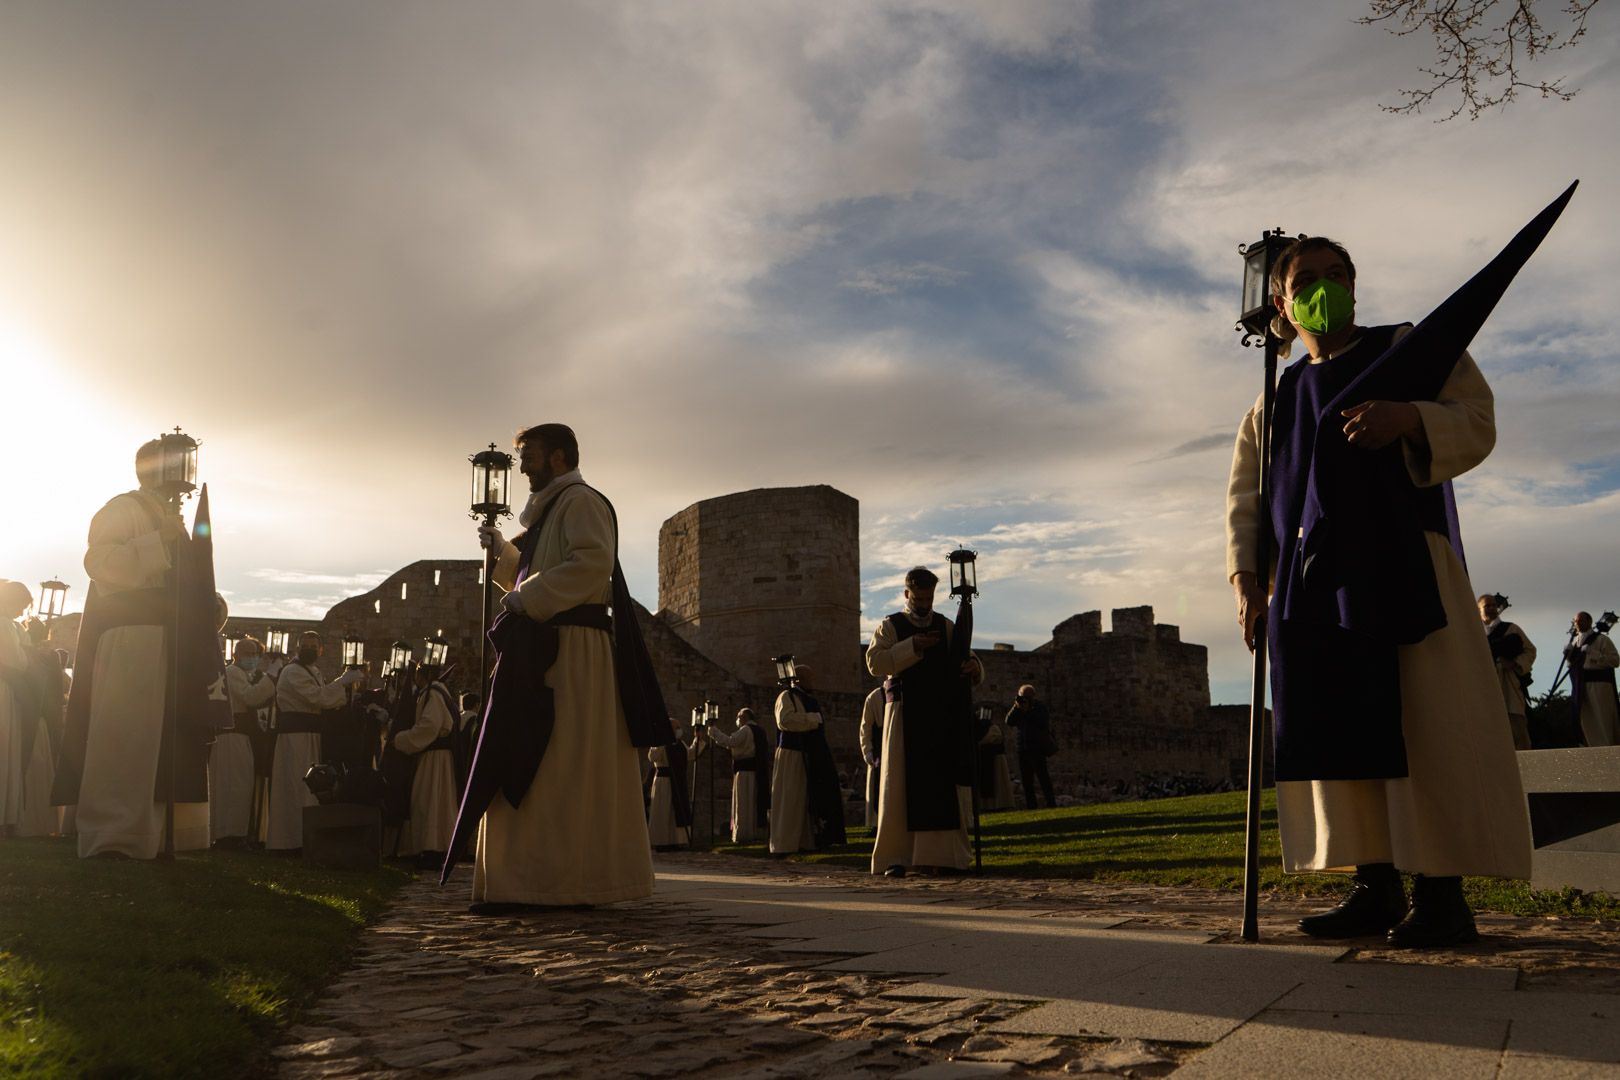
1030,768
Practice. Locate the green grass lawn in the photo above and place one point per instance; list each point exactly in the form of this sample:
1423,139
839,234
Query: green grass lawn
183,969
1192,841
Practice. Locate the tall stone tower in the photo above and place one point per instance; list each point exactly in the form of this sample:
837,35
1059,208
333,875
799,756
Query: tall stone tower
743,577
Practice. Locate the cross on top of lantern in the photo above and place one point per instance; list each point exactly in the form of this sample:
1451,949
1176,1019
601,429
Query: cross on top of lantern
1258,259
964,576
52,595
354,651
786,669
492,469
435,649
177,471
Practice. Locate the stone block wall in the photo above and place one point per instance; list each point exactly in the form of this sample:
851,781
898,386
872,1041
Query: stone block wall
743,577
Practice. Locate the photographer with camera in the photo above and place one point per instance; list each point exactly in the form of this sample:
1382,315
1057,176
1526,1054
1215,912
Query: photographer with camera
1513,654
1592,659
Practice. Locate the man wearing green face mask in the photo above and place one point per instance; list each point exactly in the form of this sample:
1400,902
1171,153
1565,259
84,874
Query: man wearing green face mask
1392,754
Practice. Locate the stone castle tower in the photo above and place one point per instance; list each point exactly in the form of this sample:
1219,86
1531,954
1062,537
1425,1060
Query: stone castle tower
772,570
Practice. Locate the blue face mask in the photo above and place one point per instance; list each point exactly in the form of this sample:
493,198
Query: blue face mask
248,663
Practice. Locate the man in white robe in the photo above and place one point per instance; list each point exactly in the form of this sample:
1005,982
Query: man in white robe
995,775
231,779
872,750
919,635
1460,807
669,807
578,834
1592,660
1513,654
112,748
806,801
435,794
750,770
39,817
302,695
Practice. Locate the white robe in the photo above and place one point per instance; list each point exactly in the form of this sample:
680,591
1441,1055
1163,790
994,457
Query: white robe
871,748
1600,724
435,797
895,844
791,827
12,767
744,789
580,835
300,689
1461,808
661,828
230,759
116,811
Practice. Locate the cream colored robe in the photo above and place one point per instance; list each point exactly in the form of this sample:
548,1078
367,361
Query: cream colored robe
871,723
1599,722
434,796
791,827
579,836
300,689
1514,698
895,844
744,812
1460,809
230,759
661,828
116,811
12,767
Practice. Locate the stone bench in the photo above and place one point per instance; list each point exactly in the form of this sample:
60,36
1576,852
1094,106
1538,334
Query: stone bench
1574,800
343,836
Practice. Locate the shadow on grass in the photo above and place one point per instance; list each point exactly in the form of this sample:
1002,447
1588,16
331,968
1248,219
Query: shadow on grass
182,969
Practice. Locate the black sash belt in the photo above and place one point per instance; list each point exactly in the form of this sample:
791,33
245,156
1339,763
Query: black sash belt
795,740
747,765
295,723
594,616
443,742
1598,674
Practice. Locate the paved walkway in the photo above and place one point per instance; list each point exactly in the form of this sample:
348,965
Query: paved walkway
739,968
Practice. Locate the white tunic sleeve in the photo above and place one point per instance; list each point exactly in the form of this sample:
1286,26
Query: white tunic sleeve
1602,653
298,691
1243,497
1460,424
124,552
581,577
247,695
887,655
790,717
871,715
433,719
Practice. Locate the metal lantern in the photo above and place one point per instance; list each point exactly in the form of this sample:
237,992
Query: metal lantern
354,651
399,654
177,472
711,712
1258,259
697,717
492,469
786,670
435,650
964,577
231,641
275,642
986,714
52,595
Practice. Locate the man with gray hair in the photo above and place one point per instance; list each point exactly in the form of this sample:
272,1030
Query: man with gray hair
1592,659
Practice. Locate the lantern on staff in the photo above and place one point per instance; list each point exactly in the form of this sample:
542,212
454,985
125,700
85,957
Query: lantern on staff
52,596
786,669
399,654
492,469
354,652
275,642
435,650
964,574
177,465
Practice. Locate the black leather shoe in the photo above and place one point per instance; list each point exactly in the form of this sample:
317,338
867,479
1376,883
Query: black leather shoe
895,871
1439,917
1375,904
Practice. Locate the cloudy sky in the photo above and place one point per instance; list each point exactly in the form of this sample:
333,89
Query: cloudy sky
973,264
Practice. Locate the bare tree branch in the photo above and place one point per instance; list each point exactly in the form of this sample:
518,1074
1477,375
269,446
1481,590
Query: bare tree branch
1477,54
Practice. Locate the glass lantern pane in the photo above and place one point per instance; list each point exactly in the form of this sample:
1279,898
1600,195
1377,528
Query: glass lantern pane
477,485
1254,278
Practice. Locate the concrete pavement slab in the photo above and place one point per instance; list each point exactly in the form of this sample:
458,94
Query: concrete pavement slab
1311,1045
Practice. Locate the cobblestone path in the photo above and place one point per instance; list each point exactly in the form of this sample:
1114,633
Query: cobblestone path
667,988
